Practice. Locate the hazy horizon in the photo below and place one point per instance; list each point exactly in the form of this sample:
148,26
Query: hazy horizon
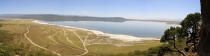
130,9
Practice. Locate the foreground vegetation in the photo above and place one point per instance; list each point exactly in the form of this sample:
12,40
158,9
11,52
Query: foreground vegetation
8,48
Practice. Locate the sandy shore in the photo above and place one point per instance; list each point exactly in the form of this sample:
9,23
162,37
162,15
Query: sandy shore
122,37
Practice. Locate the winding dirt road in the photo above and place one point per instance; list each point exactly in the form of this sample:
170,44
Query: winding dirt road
67,38
25,34
83,42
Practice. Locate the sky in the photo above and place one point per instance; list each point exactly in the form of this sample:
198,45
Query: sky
130,9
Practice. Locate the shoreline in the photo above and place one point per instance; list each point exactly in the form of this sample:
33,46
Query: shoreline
123,37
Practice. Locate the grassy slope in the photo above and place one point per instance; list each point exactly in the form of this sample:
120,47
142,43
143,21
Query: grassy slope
55,38
107,49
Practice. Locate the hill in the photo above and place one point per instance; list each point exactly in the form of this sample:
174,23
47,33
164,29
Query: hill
54,17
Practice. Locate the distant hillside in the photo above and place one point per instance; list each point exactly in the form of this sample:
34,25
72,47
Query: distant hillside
54,17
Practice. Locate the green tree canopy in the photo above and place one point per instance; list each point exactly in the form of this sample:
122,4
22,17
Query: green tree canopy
189,29
172,33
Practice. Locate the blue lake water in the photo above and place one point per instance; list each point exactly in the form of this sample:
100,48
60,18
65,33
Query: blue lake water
133,28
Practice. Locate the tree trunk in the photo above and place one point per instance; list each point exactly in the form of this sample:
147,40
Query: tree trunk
204,44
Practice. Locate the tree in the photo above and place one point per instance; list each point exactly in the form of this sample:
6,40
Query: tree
189,30
170,35
191,27
205,29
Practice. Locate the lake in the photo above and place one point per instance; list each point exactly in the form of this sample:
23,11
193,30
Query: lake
133,28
